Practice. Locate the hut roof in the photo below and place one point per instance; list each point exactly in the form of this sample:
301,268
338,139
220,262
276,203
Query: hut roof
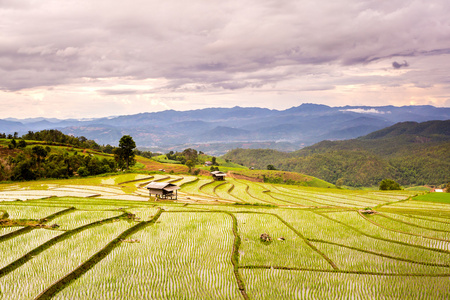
167,186
218,173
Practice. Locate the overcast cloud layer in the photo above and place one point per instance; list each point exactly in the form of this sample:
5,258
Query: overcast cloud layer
99,58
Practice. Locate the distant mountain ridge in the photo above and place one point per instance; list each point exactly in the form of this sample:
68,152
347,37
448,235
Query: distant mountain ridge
295,127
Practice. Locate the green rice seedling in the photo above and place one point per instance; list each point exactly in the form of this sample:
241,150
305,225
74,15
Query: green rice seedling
208,188
183,255
290,284
318,227
30,212
262,192
353,219
286,249
221,191
143,213
115,180
240,191
327,198
306,198
80,218
6,230
192,188
354,260
14,248
27,281
413,204
430,219
186,179
125,197
103,190
408,227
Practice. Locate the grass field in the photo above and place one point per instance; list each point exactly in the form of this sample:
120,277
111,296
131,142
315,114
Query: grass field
435,197
105,238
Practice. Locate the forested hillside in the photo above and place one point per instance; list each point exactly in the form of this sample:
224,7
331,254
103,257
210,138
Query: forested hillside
410,153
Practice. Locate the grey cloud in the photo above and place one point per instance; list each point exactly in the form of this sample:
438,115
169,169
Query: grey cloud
225,44
397,65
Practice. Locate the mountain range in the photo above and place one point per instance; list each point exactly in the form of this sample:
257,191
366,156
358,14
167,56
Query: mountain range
216,130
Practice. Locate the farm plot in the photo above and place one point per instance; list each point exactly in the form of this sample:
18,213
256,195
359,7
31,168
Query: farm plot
291,284
143,213
358,261
200,248
183,255
6,230
322,228
354,220
397,224
286,249
29,212
329,199
80,218
186,179
419,205
209,188
16,247
223,191
34,276
193,188
240,191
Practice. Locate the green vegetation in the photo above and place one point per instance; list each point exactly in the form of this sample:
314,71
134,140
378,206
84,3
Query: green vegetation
124,154
103,237
389,185
36,161
282,177
406,158
434,197
418,188
165,160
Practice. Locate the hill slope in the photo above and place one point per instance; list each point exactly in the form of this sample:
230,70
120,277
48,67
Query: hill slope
410,153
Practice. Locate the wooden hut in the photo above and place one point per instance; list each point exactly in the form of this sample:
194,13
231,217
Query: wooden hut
218,175
163,190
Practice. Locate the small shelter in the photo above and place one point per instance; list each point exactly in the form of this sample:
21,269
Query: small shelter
162,190
218,175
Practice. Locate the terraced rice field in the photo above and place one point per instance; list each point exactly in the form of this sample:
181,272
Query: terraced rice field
122,244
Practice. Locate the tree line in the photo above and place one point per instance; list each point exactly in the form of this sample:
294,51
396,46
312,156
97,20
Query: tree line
351,165
40,161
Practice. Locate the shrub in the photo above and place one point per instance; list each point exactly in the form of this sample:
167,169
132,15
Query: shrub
83,171
389,185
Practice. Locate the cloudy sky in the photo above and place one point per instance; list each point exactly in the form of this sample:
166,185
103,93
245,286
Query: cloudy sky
92,58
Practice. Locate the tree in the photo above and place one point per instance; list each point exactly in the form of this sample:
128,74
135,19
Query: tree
124,155
389,184
339,182
270,167
190,154
22,144
13,144
447,188
190,164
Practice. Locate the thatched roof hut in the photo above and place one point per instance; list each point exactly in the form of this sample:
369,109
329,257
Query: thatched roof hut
218,175
163,190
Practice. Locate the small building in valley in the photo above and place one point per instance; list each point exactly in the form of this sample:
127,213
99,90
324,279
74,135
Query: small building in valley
163,190
218,175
